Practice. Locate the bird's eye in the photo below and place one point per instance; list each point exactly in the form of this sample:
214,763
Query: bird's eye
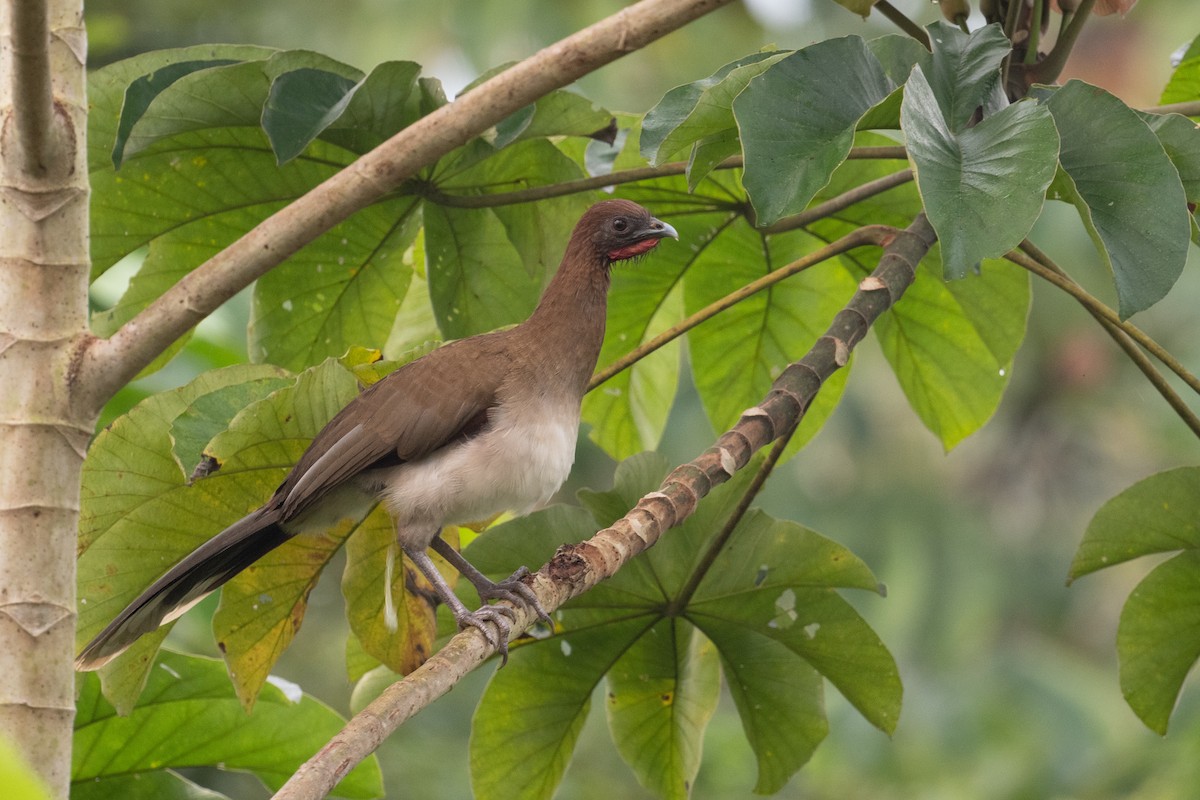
619,225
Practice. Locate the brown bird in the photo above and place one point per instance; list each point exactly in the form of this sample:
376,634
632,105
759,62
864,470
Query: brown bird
478,426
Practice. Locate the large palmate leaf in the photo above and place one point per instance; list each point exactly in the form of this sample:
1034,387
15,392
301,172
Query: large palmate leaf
768,592
189,717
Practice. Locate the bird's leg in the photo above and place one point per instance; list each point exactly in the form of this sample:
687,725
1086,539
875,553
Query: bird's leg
499,616
512,588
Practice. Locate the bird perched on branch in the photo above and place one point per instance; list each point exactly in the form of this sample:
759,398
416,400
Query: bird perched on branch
478,426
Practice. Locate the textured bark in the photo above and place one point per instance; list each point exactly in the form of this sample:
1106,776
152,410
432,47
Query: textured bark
43,313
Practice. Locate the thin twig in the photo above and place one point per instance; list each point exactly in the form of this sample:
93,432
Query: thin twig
1123,334
577,568
869,235
1090,302
844,200
104,365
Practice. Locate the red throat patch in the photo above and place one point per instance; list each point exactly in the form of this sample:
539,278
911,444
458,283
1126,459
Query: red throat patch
633,250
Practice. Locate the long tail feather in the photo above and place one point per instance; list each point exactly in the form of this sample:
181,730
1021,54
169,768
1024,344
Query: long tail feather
187,583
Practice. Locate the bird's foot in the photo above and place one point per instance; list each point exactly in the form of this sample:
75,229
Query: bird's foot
494,622
514,590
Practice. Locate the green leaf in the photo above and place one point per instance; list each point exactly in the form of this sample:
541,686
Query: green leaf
964,71
1127,191
649,655
159,785
951,345
898,54
244,94
661,694
188,196
1181,140
262,607
210,414
386,101
775,578
486,267
738,354
142,91
140,515
1184,85
1158,639
983,186
779,697
301,104
793,145
190,717
687,114
477,282
529,719
700,116
1160,514
560,113
343,289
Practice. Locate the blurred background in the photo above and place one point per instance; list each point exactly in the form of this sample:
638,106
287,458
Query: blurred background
1010,676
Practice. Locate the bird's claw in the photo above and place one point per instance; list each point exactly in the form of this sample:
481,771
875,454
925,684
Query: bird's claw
497,633
514,590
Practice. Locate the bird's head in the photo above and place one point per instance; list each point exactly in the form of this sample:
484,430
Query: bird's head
616,230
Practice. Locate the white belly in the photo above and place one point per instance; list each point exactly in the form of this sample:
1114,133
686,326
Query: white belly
515,465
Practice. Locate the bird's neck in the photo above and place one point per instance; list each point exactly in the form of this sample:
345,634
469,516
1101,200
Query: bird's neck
567,327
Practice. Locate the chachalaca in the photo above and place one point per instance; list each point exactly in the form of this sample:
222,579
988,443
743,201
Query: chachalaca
478,426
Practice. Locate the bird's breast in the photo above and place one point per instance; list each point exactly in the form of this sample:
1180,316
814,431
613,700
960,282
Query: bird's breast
518,461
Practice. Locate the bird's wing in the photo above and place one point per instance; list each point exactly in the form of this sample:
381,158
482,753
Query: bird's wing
409,414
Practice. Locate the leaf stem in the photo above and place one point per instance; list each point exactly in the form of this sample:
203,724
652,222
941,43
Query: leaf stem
1050,67
844,200
902,22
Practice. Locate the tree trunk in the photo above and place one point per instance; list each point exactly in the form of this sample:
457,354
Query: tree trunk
43,319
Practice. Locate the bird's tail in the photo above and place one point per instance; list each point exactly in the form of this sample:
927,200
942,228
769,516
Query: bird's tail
187,583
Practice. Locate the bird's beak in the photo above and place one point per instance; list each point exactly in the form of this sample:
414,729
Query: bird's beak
657,229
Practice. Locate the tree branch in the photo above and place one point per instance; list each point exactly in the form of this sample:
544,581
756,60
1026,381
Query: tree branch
107,364
576,568
37,140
